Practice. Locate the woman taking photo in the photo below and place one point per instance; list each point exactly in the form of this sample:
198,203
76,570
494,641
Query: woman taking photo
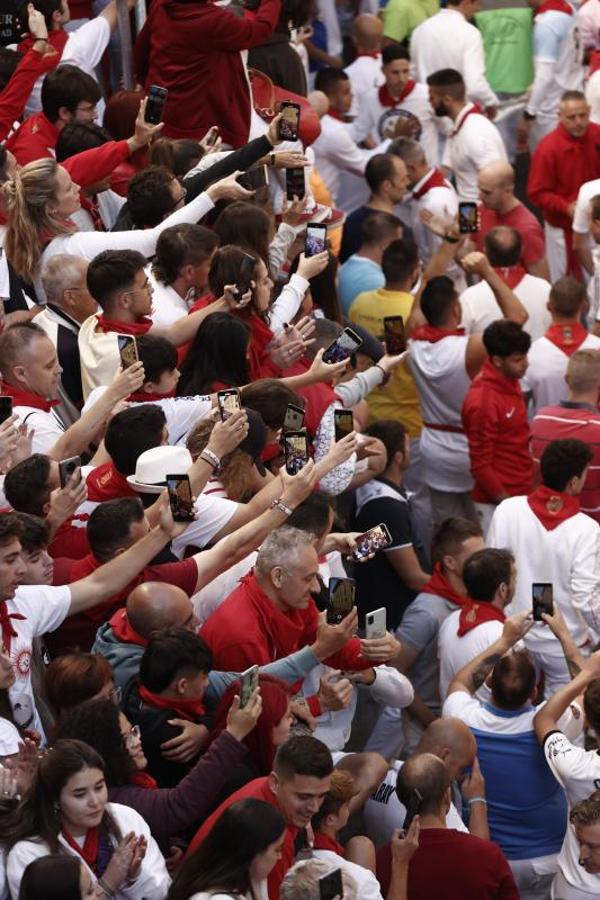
66,811
237,856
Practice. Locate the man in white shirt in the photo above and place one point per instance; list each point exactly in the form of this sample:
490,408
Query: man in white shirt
583,243
365,72
552,541
474,141
490,578
503,249
449,41
179,270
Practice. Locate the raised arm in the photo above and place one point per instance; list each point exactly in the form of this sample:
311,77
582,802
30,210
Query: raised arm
473,675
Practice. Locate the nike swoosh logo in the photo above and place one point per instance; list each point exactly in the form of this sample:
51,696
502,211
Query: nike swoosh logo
509,414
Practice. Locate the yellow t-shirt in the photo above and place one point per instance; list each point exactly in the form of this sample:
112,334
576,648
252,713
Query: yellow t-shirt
398,399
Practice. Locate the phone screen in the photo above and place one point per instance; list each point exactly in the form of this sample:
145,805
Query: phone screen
295,445
6,408
157,97
467,218
395,339
542,600
295,185
180,498
249,680
331,886
294,418
247,271
376,624
343,422
342,594
316,239
253,179
127,350
229,402
343,347
66,467
371,541
288,124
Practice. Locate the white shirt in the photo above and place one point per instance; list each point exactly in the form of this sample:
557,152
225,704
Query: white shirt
213,514
442,202
45,608
448,41
364,74
367,886
568,556
335,151
545,376
558,58
9,739
167,305
454,652
48,427
473,143
582,216
480,308
109,206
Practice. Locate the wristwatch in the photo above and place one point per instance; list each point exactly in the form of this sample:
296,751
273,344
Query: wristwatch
280,505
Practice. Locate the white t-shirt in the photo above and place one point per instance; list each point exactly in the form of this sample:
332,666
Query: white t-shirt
582,218
545,376
9,738
367,886
213,514
167,305
47,427
480,308
364,74
454,652
473,143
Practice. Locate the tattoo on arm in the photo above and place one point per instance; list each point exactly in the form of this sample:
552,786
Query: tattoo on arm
572,666
482,672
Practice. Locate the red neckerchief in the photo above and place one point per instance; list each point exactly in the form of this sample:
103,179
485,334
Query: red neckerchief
91,845
325,842
110,325
511,275
373,54
386,99
558,5
8,631
490,374
106,483
434,179
432,334
56,39
552,507
26,398
474,108
567,338
190,708
143,780
123,630
339,117
439,586
148,397
92,208
473,614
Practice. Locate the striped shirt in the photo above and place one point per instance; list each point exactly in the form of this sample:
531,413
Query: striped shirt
571,421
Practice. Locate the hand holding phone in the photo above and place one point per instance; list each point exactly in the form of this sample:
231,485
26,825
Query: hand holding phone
294,418
295,446
155,104
249,683
342,596
331,886
180,498
468,218
343,423
128,350
229,401
290,121
376,624
343,347
316,239
295,184
542,598
371,541
394,336
66,467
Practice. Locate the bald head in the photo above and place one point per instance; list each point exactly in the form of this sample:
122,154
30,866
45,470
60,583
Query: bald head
450,740
503,246
496,183
423,785
367,32
155,605
319,102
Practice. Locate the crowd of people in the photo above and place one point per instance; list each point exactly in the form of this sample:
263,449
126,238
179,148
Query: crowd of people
299,465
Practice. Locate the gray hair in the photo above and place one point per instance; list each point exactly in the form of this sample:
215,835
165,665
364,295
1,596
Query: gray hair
62,272
408,150
302,880
282,548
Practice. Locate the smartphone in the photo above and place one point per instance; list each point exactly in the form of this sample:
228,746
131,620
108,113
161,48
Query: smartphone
128,350
180,498
211,138
6,408
253,179
331,886
467,218
246,275
229,402
394,336
316,238
376,624
290,120
66,467
157,97
342,595
294,418
249,680
295,184
343,422
371,541
542,599
343,347
295,446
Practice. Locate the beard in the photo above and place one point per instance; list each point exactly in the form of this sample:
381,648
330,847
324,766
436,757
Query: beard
440,109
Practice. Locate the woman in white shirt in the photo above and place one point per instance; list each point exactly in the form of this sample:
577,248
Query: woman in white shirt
236,857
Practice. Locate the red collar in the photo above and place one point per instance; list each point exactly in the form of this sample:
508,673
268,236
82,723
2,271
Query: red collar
146,397
469,110
511,275
473,614
26,398
567,338
285,630
552,507
56,39
374,54
439,586
493,376
91,845
434,179
8,632
432,335
143,780
109,325
339,117
123,630
106,483
325,842
190,708
386,99
557,5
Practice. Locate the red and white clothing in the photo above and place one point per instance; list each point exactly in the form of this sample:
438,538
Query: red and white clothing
571,421
472,144
167,305
448,41
364,74
380,111
533,245
434,194
480,308
461,640
38,413
548,360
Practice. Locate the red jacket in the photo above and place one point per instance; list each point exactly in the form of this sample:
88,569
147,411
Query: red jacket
495,422
193,49
16,93
559,166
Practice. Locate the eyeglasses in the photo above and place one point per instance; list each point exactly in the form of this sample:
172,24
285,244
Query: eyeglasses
133,736
146,287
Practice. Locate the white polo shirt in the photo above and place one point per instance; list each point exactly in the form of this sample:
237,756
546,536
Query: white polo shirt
480,308
47,426
545,376
472,144
364,74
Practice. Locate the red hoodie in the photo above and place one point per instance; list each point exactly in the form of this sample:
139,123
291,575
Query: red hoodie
495,421
193,49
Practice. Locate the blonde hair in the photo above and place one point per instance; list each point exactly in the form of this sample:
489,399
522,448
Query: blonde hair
236,467
583,371
27,195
